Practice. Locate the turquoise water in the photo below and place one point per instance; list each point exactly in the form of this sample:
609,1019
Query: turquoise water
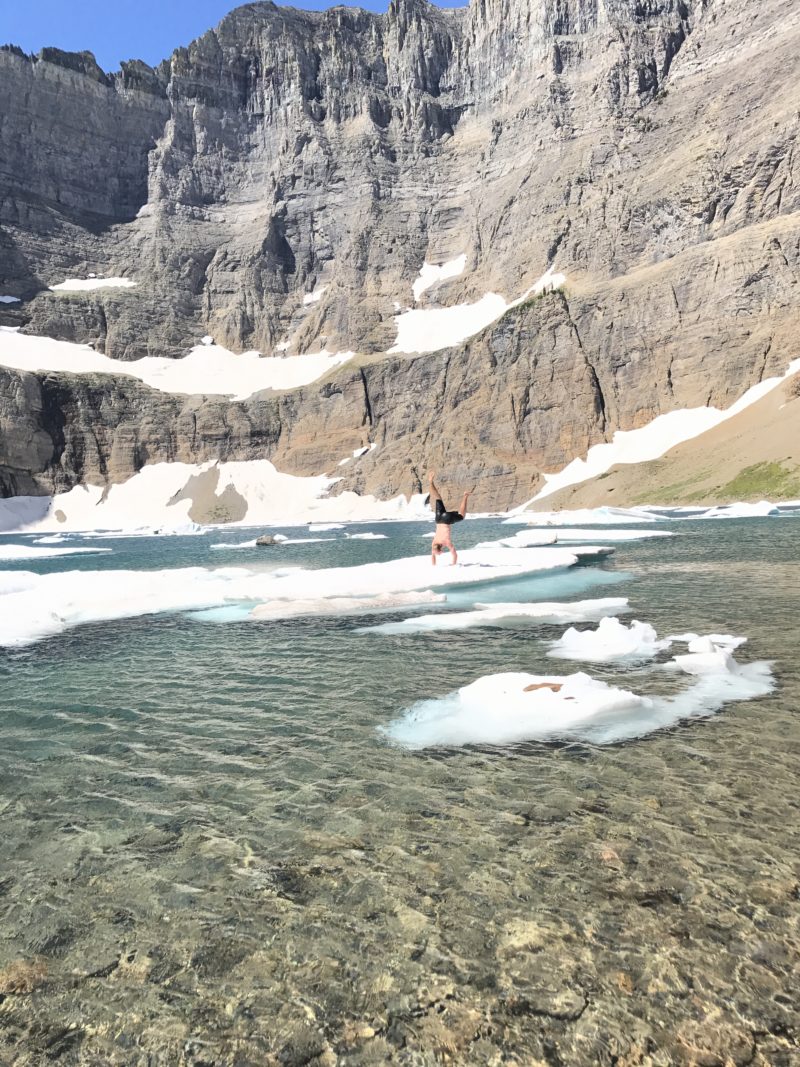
215,857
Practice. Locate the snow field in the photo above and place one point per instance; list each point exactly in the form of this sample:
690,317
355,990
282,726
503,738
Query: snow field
656,438
207,369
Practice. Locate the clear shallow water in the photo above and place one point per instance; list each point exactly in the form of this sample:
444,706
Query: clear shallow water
218,860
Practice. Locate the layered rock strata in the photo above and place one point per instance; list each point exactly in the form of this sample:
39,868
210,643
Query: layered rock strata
647,149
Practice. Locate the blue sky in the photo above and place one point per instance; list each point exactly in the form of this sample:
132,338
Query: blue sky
145,29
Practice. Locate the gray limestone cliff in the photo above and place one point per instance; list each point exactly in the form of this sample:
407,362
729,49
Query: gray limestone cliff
647,149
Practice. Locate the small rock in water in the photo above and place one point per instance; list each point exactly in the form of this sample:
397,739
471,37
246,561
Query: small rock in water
266,539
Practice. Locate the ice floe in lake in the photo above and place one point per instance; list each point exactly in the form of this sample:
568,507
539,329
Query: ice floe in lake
762,509
287,609
10,300
505,615
655,438
366,537
502,709
208,368
611,642
80,285
12,553
48,604
539,536
603,516
322,527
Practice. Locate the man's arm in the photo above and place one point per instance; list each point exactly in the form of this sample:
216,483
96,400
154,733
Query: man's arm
454,554
433,557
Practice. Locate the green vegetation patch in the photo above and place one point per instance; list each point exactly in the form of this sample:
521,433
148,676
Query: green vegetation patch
763,480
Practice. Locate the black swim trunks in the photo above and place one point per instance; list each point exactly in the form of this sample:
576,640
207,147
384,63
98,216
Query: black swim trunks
445,517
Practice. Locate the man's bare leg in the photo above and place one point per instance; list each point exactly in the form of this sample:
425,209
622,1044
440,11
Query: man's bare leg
434,492
462,511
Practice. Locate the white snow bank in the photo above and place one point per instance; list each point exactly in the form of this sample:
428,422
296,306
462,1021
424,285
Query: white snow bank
79,285
10,300
505,615
431,275
35,606
148,499
496,710
12,553
431,329
315,297
208,368
656,438
611,642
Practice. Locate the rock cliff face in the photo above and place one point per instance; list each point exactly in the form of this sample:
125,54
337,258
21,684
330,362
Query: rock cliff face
645,148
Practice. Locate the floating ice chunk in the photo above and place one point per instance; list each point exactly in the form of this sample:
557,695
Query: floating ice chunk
708,642
233,544
611,642
431,275
539,536
12,553
78,285
366,537
581,517
719,661
505,615
762,509
52,603
10,300
287,609
322,527
497,710
315,297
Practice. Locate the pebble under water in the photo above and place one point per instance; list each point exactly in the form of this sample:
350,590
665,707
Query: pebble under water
210,853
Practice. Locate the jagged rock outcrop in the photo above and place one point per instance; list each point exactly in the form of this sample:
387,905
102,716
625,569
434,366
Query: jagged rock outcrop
647,148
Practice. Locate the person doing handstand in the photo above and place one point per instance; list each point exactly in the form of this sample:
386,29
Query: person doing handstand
442,537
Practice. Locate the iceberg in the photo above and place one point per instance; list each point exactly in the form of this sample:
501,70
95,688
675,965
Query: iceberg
611,642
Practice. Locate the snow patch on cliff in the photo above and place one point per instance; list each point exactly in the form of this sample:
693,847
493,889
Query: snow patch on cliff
431,329
656,438
81,285
431,275
10,300
208,368
150,498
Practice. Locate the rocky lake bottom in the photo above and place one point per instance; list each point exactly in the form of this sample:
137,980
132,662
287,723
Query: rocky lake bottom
210,854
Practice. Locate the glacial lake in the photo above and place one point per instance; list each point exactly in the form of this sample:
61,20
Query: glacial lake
212,854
